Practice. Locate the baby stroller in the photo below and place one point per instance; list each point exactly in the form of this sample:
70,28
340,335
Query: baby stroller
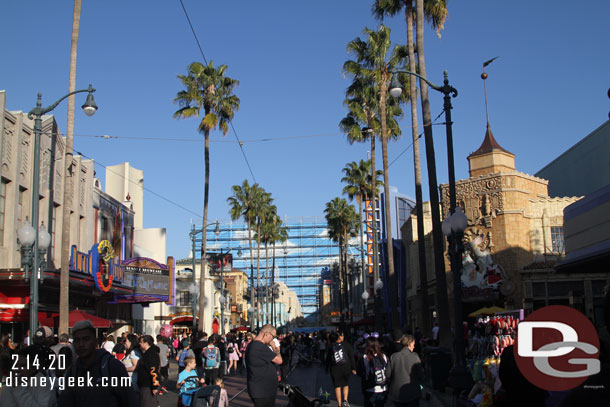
296,398
207,396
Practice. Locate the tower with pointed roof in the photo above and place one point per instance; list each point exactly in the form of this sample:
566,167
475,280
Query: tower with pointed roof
490,158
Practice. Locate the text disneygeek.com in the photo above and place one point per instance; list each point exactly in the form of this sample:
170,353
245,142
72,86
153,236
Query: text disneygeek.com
62,382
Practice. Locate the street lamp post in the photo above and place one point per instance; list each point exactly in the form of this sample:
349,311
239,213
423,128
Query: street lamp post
193,234
36,114
454,226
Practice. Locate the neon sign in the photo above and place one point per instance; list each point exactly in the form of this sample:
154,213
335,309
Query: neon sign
92,263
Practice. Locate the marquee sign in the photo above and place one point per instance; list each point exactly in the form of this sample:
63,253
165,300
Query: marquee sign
150,281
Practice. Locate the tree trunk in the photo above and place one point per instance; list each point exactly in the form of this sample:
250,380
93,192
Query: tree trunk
439,260
373,197
258,264
267,281
363,274
388,216
421,236
206,195
251,277
64,277
273,288
347,287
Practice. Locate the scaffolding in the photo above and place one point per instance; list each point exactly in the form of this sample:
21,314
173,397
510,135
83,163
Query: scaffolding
298,261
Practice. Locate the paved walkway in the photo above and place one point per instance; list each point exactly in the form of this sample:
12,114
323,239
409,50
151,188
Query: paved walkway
309,379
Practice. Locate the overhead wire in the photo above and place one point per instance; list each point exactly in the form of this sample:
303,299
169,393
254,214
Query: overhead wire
241,145
106,136
143,187
418,137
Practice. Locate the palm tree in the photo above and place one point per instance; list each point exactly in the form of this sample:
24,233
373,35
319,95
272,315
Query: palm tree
207,88
241,205
267,231
261,206
375,61
64,276
358,177
439,258
342,222
435,11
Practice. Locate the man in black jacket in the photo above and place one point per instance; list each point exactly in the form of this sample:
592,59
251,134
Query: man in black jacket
99,379
148,373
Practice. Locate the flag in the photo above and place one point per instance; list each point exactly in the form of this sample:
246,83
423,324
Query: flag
489,62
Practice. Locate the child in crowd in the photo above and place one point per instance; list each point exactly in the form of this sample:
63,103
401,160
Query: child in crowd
189,371
224,398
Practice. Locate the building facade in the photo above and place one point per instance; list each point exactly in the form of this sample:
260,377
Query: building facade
512,223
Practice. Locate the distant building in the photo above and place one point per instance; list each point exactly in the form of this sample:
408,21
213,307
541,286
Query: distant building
583,168
401,206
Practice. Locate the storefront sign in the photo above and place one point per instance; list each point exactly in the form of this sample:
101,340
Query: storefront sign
151,281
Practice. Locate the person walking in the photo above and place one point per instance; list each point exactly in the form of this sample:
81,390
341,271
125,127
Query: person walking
372,368
211,360
148,373
405,375
131,358
164,353
340,361
262,355
242,349
184,353
234,354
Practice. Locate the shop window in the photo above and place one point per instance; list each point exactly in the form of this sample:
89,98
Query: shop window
557,239
539,289
563,288
185,299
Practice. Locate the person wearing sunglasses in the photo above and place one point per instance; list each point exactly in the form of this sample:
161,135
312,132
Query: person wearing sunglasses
262,355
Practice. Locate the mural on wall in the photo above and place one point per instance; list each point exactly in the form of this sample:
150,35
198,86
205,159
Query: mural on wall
482,278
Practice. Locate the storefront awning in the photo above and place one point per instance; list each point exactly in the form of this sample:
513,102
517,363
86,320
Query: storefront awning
181,319
74,317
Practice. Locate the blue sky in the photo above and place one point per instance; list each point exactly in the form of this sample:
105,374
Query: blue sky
546,91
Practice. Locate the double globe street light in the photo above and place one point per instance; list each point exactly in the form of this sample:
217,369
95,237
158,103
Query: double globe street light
35,240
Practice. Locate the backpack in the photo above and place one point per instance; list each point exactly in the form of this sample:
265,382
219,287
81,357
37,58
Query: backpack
377,366
230,348
183,353
338,354
210,357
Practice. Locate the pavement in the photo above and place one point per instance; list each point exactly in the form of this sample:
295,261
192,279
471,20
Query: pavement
310,380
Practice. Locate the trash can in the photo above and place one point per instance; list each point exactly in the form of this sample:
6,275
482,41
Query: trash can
437,363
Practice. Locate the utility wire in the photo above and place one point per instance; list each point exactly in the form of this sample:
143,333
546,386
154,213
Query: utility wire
199,140
143,187
418,137
241,145
193,30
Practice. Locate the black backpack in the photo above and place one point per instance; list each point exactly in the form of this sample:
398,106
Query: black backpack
338,356
377,366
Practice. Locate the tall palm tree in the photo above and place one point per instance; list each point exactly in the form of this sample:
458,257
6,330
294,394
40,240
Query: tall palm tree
241,205
358,177
261,207
377,60
435,12
437,236
342,222
64,276
267,231
207,89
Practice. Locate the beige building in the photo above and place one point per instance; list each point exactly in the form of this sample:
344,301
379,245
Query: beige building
236,282
512,222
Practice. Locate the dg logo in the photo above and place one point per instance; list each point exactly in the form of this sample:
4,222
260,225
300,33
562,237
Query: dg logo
557,348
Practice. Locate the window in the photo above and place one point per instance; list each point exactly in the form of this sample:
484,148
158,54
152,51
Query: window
184,299
53,228
2,209
557,239
20,215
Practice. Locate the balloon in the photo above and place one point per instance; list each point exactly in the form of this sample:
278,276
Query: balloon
166,330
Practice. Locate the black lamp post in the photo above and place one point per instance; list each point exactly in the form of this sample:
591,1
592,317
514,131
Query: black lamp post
459,374
36,113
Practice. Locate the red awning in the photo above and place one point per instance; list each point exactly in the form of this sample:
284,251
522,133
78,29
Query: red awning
74,317
181,319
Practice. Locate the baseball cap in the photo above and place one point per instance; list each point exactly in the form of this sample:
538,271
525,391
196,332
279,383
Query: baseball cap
80,325
43,332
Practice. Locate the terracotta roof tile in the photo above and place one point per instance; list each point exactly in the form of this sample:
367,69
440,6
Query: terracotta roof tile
489,144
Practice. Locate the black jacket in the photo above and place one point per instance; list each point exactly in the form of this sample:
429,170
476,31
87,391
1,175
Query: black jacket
105,365
148,369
